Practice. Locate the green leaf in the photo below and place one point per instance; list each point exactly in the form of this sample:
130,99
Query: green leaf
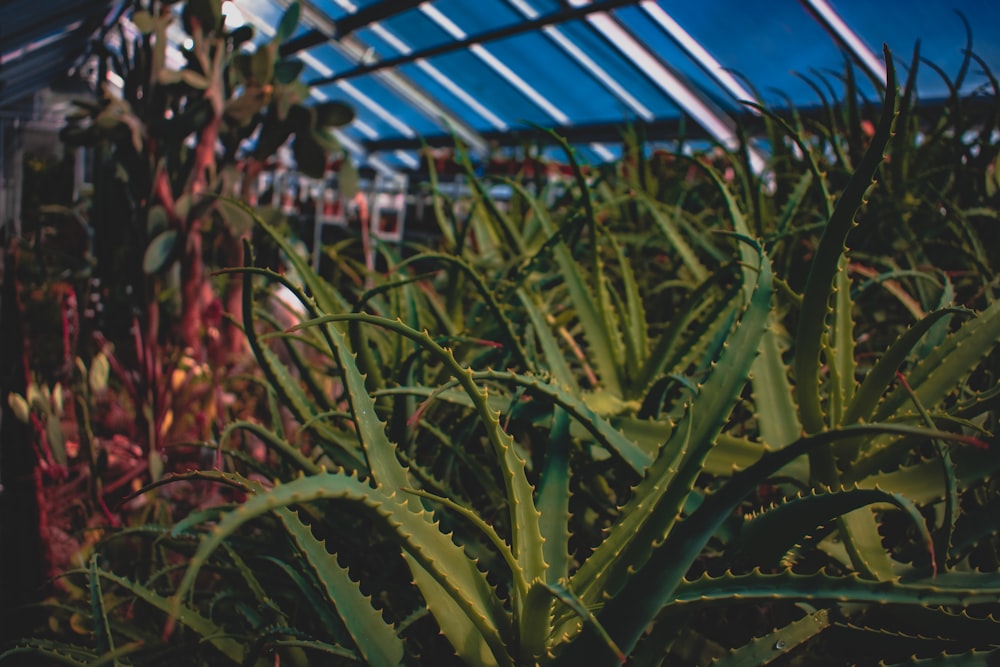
450,574
160,252
764,539
288,70
944,589
657,501
824,267
878,379
287,24
103,640
262,66
940,372
376,640
309,155
180,613
208,13
658,581
236,217
54,652
144,21
764,650
347,179
333,114
553,499
526,535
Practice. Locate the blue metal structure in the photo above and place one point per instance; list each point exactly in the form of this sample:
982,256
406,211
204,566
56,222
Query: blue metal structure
487,70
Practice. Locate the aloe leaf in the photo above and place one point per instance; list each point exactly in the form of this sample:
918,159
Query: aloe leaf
585,420
824,267
589,301
553,499
552,355
950,628
948,364
732,453
525,533
372,438
973,527
669,229
442,214
657,501
826,280
632,316
453,575
375,639
765,650
772,392
949,483
840,346
567,597
180,613
58,653
969,659
768,536
386,469
943,589
599,427
488,296
311,595
510,233
921,483
318,647
279,378
657,581
103,640
488,531
793,204
324,296
701,310
274,442
878,379
114,657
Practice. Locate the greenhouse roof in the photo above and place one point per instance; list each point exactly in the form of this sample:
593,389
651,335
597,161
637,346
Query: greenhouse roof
489,71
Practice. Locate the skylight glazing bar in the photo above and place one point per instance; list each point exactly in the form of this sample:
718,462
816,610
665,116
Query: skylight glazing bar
847,37
440,77
697,52
377,109
719,126
586,61
355,19
496,64
560,16
406,89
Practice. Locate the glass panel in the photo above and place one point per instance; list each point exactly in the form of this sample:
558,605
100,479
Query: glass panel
940,30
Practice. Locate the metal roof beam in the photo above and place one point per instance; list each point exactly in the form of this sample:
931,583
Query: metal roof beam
478,39
356,51
847,38
509,75
697,52
718,124
343,27
588,63
661,130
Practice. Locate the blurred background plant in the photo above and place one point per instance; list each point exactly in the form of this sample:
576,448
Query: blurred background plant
129,362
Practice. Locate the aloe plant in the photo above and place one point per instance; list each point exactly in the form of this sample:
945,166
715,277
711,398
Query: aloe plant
503,453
